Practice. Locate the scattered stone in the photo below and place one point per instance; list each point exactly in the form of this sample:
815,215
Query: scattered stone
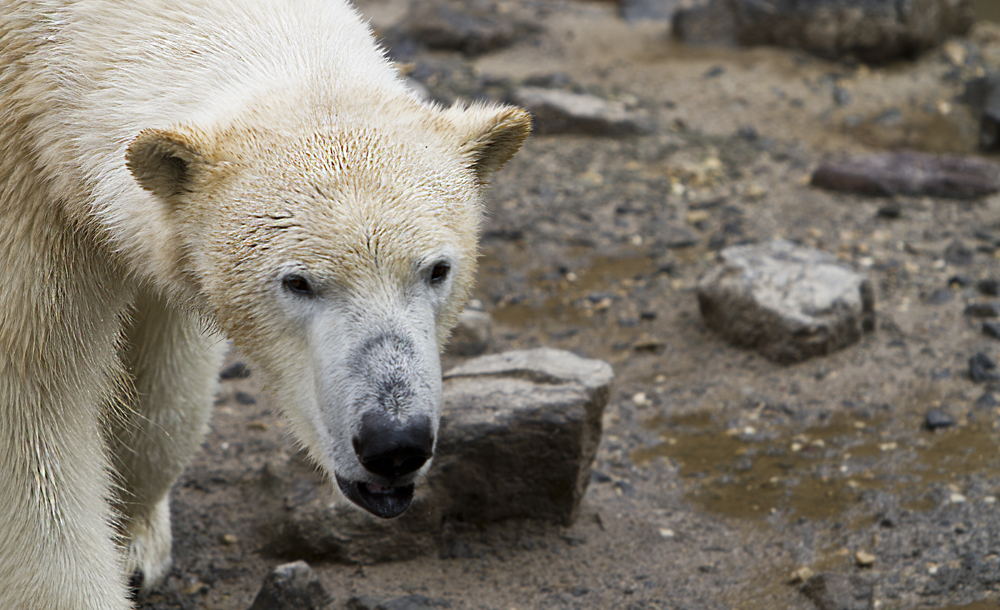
292,586
471,336
801,575
957,253
786,301
841,96
870,30
675,237
960,280
830,591
986,401
519,432
938,418
245,399
910,173
556,111
890,211
988,309
991,329
983,96
989,287
864,559
473,28
236,370
982,368
940,296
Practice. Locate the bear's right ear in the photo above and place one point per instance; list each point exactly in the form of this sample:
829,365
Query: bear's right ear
166,163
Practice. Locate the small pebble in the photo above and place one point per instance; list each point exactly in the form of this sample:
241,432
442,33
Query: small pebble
957,253
891,210
991,329
229,539
957,498
801,575
983,310
941,296
864,559
666,533
236,370
245,399
989,287
986,401
937,418
982,368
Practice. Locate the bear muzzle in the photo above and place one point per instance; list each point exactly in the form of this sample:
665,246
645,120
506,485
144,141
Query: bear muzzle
393,450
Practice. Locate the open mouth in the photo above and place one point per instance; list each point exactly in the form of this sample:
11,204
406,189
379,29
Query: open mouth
379,500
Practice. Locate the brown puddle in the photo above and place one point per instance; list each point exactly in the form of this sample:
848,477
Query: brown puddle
816,474
569,303
916,130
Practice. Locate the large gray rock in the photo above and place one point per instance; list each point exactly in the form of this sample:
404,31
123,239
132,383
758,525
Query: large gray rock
870,30
519,431
910,173
555,111
473,28
786,301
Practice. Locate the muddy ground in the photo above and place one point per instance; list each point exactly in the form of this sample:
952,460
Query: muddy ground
720,473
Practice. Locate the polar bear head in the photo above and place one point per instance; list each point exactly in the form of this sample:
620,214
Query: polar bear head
337,258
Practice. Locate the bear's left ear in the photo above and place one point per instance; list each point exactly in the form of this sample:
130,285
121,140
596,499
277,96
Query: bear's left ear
492,136
167,162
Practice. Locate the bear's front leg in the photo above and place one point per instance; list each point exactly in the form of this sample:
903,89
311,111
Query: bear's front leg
173,364
59,325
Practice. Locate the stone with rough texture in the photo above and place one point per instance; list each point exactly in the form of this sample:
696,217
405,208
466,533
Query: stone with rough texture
471,335
519,431
831,591
788,302
473,28
555,111
292,586
910,173
870,30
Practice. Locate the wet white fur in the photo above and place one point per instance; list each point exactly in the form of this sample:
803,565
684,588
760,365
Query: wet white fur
304,153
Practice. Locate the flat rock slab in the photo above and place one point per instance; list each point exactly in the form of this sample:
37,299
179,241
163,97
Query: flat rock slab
910,173
788,302
870,30
556,111
519,431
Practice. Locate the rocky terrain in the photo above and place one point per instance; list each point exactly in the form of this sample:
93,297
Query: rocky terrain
865,475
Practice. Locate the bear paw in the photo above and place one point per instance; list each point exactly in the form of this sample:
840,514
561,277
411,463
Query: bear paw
147,556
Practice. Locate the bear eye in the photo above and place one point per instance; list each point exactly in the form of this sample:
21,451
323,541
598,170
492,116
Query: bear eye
296,284
439,273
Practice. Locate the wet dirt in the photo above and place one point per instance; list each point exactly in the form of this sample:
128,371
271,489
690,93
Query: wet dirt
720,473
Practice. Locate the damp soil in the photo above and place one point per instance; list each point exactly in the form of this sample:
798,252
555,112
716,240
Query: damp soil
720,473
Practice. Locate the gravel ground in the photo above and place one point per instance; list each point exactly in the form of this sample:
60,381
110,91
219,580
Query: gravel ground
724,480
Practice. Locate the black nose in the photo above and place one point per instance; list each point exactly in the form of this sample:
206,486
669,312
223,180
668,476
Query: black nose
390,448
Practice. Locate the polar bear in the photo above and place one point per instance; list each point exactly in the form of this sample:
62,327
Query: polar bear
176,171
